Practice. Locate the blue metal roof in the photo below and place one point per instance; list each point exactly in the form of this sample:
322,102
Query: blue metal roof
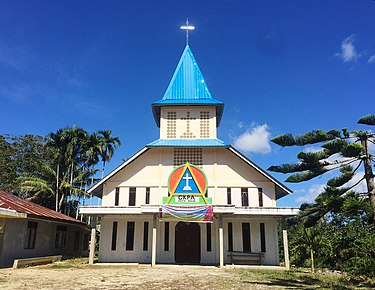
187,87
188,102
188,143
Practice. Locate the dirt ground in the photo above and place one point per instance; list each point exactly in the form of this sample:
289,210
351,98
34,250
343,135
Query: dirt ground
122,277
77,274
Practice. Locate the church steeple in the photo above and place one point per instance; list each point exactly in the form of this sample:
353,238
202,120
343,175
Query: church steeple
187,88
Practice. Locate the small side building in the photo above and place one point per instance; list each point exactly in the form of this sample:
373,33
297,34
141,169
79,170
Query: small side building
29,230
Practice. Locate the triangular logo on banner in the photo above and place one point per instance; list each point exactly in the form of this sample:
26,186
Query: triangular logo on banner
187,184
187,180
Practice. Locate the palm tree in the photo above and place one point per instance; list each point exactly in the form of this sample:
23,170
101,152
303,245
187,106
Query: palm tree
46,185
108,145
92,150
74,154
69,148
307,243
91,156
56,143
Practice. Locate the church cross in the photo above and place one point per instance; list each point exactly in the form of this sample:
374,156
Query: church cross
187,178
188,118
187,27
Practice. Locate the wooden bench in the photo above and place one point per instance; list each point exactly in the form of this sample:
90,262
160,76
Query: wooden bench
246,258
35,261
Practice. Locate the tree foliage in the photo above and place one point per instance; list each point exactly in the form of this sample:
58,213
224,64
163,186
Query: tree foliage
19,156
344,240
367,120
54,170
341,151
336,231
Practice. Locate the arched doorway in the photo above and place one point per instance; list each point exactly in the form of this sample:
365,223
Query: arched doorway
187,243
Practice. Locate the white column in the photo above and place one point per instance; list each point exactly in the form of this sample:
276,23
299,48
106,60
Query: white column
153,247
286,249
92,246
221,242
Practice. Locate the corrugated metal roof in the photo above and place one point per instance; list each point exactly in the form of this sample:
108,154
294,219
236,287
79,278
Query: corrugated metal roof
188,143
188,102
187,87
12,202
187,82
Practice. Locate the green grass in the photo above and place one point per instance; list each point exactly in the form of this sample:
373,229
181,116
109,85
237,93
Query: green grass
301,279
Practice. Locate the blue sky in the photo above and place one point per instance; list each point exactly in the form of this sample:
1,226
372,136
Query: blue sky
279,66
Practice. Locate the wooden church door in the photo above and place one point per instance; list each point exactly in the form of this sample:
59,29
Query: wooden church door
187,243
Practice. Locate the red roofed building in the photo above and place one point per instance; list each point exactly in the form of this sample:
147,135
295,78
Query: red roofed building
30,230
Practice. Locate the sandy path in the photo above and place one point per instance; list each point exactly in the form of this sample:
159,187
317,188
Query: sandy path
121,277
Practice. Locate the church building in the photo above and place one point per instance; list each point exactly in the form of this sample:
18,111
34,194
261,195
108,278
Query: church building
188,197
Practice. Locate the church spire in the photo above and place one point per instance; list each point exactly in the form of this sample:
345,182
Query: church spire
187,87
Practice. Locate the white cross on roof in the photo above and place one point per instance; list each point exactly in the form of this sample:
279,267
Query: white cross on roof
187,27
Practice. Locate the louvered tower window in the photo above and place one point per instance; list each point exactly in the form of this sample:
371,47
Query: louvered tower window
205,124
171,124
191,155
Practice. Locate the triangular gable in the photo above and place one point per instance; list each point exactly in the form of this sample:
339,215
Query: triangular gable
281,189
97,187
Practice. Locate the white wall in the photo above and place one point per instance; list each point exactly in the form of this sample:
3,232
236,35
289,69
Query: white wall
194,125
222,168
121,254
272,250
167,257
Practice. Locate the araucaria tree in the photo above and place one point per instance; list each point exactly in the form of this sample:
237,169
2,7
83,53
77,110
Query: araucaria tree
344,151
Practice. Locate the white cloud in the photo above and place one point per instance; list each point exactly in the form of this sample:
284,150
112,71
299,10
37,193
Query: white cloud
254,140
240,125
312,149
348,52
371,59
361,187
309,195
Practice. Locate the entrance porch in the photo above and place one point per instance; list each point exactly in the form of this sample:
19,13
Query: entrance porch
144,239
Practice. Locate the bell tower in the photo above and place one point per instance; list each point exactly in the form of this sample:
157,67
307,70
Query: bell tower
187,110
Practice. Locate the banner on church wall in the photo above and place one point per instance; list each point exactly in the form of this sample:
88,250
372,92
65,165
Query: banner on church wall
187,200
203,213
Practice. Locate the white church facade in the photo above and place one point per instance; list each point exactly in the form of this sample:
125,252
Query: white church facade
188,197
